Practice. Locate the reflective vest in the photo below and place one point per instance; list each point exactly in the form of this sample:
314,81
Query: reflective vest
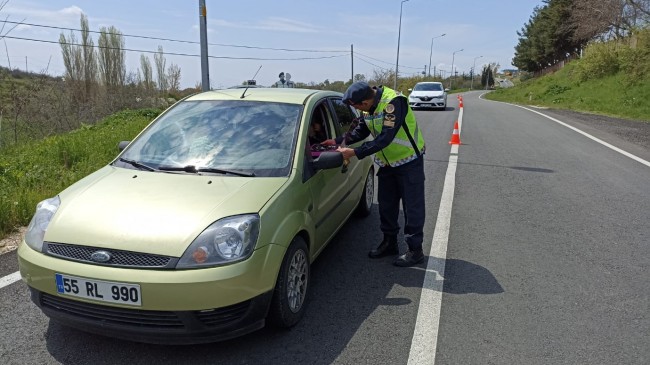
400,150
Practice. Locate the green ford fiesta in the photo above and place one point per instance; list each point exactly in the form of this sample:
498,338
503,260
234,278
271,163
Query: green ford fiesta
205,225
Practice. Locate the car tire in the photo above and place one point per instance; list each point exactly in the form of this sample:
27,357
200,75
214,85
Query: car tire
365,203
290,293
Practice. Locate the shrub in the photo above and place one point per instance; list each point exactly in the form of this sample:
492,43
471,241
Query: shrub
635,59
599,60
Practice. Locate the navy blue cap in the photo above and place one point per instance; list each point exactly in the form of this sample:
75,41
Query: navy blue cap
357,92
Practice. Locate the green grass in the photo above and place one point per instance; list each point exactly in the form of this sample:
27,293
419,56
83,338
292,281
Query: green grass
38,170
612,95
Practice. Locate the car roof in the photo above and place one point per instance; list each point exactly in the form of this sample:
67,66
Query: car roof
430,82
281,95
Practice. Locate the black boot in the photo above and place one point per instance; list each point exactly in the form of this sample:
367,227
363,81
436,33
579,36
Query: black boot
387,247
410,258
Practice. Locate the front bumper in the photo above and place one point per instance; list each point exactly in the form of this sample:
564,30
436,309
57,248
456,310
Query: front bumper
157,327
433,103
188,306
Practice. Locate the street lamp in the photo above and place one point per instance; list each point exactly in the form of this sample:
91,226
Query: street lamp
431,51
399,33
453,56
471,85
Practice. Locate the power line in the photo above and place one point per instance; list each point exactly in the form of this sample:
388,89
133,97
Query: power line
176,54
389,63
175,40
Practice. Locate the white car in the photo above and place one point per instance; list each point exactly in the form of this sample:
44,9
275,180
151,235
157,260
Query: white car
428,95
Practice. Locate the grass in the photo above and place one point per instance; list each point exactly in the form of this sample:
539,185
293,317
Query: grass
38,170
612,95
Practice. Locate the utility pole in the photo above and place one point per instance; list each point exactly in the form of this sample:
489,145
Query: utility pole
205,67
399,33
352,60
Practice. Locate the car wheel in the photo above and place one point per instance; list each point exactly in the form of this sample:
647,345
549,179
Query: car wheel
288,303
368,195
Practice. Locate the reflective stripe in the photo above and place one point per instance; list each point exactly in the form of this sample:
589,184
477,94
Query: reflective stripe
401,162
403,142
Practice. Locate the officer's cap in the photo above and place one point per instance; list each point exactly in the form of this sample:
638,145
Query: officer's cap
357,92
281,74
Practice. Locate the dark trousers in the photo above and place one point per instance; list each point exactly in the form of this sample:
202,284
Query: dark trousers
403,183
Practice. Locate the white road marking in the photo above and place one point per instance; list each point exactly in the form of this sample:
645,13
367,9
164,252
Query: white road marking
624,153
425,335
9,279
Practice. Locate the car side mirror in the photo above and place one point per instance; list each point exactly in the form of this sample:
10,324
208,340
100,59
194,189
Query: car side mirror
328,160
447,89
122,145
410,89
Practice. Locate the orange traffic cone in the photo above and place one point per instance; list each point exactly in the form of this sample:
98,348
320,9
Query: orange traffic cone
455,136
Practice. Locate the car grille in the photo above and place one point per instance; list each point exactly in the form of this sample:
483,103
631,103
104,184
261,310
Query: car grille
118,258
142,318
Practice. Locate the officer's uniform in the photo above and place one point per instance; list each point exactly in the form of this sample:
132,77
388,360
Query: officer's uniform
282,83
398,147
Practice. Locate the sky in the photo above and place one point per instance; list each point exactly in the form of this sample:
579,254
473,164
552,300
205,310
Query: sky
311,40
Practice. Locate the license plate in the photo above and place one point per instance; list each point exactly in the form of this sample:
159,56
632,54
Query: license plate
104,291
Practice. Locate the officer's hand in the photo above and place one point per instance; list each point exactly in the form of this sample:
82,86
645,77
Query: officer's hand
328,142
346,152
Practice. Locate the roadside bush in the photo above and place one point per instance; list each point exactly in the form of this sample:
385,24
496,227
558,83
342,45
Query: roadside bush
599,60
635,59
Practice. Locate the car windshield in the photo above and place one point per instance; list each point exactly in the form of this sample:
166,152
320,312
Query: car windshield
427,87
248,137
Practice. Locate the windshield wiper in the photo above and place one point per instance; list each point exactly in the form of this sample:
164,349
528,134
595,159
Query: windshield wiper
137,164
193,169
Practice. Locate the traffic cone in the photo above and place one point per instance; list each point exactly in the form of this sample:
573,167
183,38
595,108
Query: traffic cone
455,136
460,103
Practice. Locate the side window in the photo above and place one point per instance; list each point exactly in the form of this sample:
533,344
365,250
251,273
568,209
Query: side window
320,125
344,115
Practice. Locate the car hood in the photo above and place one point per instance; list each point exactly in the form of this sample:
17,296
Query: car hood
152,212
427,93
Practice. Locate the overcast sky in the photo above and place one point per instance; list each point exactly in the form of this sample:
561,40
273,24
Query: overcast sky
319,33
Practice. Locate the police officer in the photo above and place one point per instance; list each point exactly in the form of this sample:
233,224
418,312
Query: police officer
284,82
398,148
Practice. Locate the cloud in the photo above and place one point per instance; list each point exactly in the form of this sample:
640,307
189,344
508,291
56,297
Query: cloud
65,16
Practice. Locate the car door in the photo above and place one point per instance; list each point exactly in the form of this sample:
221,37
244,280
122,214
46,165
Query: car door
328,188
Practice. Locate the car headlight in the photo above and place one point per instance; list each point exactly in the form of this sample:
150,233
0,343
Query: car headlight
36,230
224,241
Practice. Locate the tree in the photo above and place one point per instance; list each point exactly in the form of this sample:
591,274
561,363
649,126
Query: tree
89,59
174,78
159,59
593,19
112,62
146,73
487,76
547,38
80,63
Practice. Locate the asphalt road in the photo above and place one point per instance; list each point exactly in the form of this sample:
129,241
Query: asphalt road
547,262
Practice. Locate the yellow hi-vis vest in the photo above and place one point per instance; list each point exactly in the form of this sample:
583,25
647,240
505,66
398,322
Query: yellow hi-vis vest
400,150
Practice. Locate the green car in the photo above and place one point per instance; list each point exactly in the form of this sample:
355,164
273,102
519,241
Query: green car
205,225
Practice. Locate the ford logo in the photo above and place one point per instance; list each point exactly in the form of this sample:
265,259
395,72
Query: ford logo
100,256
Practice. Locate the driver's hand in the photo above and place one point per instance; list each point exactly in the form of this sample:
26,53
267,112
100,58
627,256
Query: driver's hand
328,142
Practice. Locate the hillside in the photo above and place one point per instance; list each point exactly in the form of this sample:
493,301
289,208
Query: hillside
610,95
